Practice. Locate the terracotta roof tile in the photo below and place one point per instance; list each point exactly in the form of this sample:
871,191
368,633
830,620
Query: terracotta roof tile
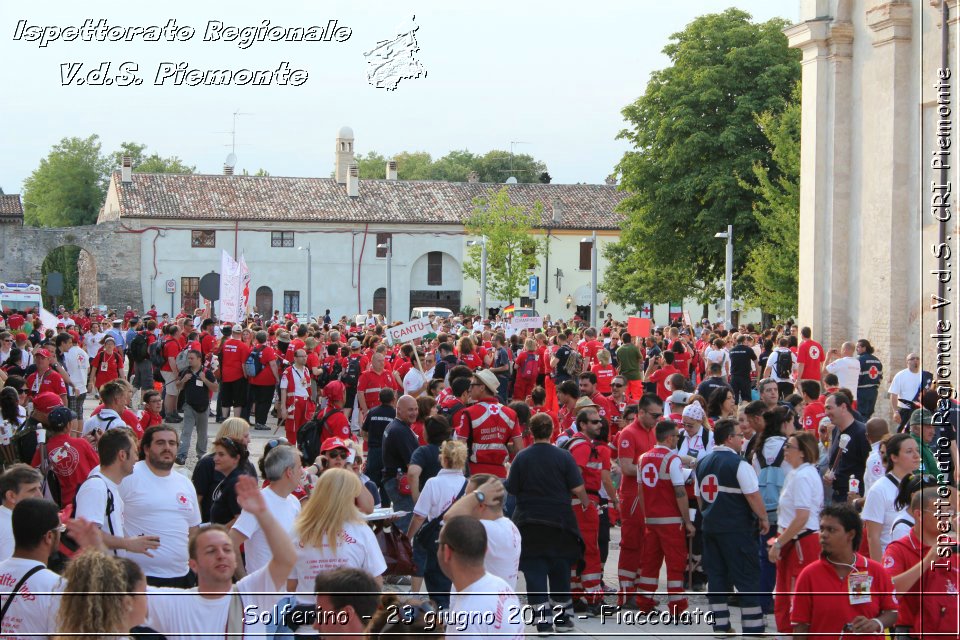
10,205
218,197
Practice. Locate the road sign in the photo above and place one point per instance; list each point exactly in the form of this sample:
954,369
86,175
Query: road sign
171,286
54,284
534,286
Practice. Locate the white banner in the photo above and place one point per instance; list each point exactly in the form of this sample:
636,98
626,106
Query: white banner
244,276
409,331
527,322
230,309
47,319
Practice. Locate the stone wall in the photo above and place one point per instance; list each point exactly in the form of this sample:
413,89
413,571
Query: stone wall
113,260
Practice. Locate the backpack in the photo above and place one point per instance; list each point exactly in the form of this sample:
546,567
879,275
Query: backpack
784,366
252,365
156,352
771,479
329,371
530,367
138,349
308,436
351,375
574,364
182,359
448,412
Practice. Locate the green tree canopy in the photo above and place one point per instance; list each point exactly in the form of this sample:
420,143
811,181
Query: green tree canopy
152,163
696,140
511,249
494,166
68,187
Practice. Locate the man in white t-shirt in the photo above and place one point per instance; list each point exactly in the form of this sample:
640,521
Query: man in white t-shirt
503,537
845,365
481,604
774,369
282,467
98,498
216,603
159,502
905,389
415,382
19,482
113,396
36,531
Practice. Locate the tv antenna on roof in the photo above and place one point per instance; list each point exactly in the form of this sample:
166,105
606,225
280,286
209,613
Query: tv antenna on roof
233,132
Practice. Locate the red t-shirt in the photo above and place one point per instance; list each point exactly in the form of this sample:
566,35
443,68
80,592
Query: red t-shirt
15,322
822,600
930,606
265,378
50,381
170,348
813,413
589,351
147,420
472,361
810,354
605,374
235,353
336,425
71,459
632,442
208,342
528,439
660,377
681,361
106,368
371,383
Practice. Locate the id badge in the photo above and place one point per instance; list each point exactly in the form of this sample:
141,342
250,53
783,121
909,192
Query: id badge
199,382
858,584
693,452
104,366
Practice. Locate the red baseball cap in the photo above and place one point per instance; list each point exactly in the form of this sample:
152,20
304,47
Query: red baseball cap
42,353
46,401
334,390
333,443
20,337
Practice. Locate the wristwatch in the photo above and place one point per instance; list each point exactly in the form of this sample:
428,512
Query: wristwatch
479,495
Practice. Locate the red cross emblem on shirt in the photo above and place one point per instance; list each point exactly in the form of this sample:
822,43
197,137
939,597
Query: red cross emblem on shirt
709,488
182,499
649,475
873,372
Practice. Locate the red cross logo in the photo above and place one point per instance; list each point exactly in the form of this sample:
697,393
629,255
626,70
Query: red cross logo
709,488
874,373
814,353
182,499
650,475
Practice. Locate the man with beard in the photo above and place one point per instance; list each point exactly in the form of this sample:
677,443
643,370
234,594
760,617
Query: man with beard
159,502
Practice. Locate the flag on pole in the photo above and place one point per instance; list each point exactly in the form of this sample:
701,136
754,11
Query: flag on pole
509,308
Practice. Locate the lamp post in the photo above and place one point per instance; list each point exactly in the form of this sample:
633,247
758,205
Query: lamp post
388,246
483,273
593,277
309,281
728,293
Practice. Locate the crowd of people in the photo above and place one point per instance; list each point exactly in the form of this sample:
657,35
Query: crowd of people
756,465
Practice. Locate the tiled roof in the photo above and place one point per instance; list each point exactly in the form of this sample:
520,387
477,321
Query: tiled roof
229,198
10,206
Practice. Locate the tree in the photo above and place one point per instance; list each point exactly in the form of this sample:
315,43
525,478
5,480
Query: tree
696,140
454,167
774,264
372,166
152,163
511,249
65,261
496,166
412,166
261,173
68,187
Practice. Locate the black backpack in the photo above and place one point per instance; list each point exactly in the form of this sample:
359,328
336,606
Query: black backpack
784,364
351,375
449,411
138,349
308,437
329,371
156,352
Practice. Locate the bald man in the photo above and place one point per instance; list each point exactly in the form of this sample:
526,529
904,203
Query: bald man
845,365
399,443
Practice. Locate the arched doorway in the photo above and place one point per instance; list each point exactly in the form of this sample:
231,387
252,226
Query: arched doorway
265,301
79,271
380,301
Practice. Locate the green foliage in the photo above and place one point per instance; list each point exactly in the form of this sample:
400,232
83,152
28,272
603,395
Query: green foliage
511,249
494,166
467,310
63,260
371,166
695,135
68,187
774,264
261,173
153,163
412,166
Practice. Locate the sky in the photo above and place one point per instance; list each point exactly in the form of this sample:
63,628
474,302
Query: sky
549,76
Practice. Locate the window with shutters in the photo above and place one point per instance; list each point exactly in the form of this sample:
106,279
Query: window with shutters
291,302
586,251
190,294
382,240
203,239
281,239
434,268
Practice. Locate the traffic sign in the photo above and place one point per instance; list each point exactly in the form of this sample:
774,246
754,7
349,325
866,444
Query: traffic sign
171,285
534,286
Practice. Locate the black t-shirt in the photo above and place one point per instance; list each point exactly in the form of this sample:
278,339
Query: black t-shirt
709,385
740,358
195,392
652,352
559,372
223,501
853,461
399,443
376,423
205,480
427,458
541,478
762,362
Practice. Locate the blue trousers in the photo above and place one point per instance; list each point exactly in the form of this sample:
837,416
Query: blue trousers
399,503
768,572
732,560
548,580
866,401
437,583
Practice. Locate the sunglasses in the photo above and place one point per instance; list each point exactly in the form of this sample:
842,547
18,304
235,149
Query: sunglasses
614,384
337,454
594,421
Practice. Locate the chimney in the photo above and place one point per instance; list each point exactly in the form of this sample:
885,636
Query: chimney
557,207
473,177
344,154
227,170
392,170
611,179
126,170
353,180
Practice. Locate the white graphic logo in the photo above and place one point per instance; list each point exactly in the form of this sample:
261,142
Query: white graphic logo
394,60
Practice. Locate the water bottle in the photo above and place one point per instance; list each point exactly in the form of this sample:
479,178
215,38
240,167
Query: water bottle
854,486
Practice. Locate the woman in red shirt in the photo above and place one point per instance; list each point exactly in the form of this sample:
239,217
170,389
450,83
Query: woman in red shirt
108,364
604,372
467,355
527,367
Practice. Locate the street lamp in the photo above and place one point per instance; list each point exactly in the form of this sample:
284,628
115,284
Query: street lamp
728,293
309,281
483,273
388,247
593,277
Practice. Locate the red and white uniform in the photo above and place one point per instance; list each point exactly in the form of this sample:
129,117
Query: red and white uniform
488,426
50,381
527,366
605,406
299,408
658,474
592,460
632,442
930,605
371,383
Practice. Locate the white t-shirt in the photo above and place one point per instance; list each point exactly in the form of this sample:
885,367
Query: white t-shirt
6,533
878,507
256,549
30,611
847,371
357,548
164,506
439,493
91,343
414,380
78,365
802,489
697,446
905,385
782,352
190,616
105,420
488,607
92,502
875,469
503,550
